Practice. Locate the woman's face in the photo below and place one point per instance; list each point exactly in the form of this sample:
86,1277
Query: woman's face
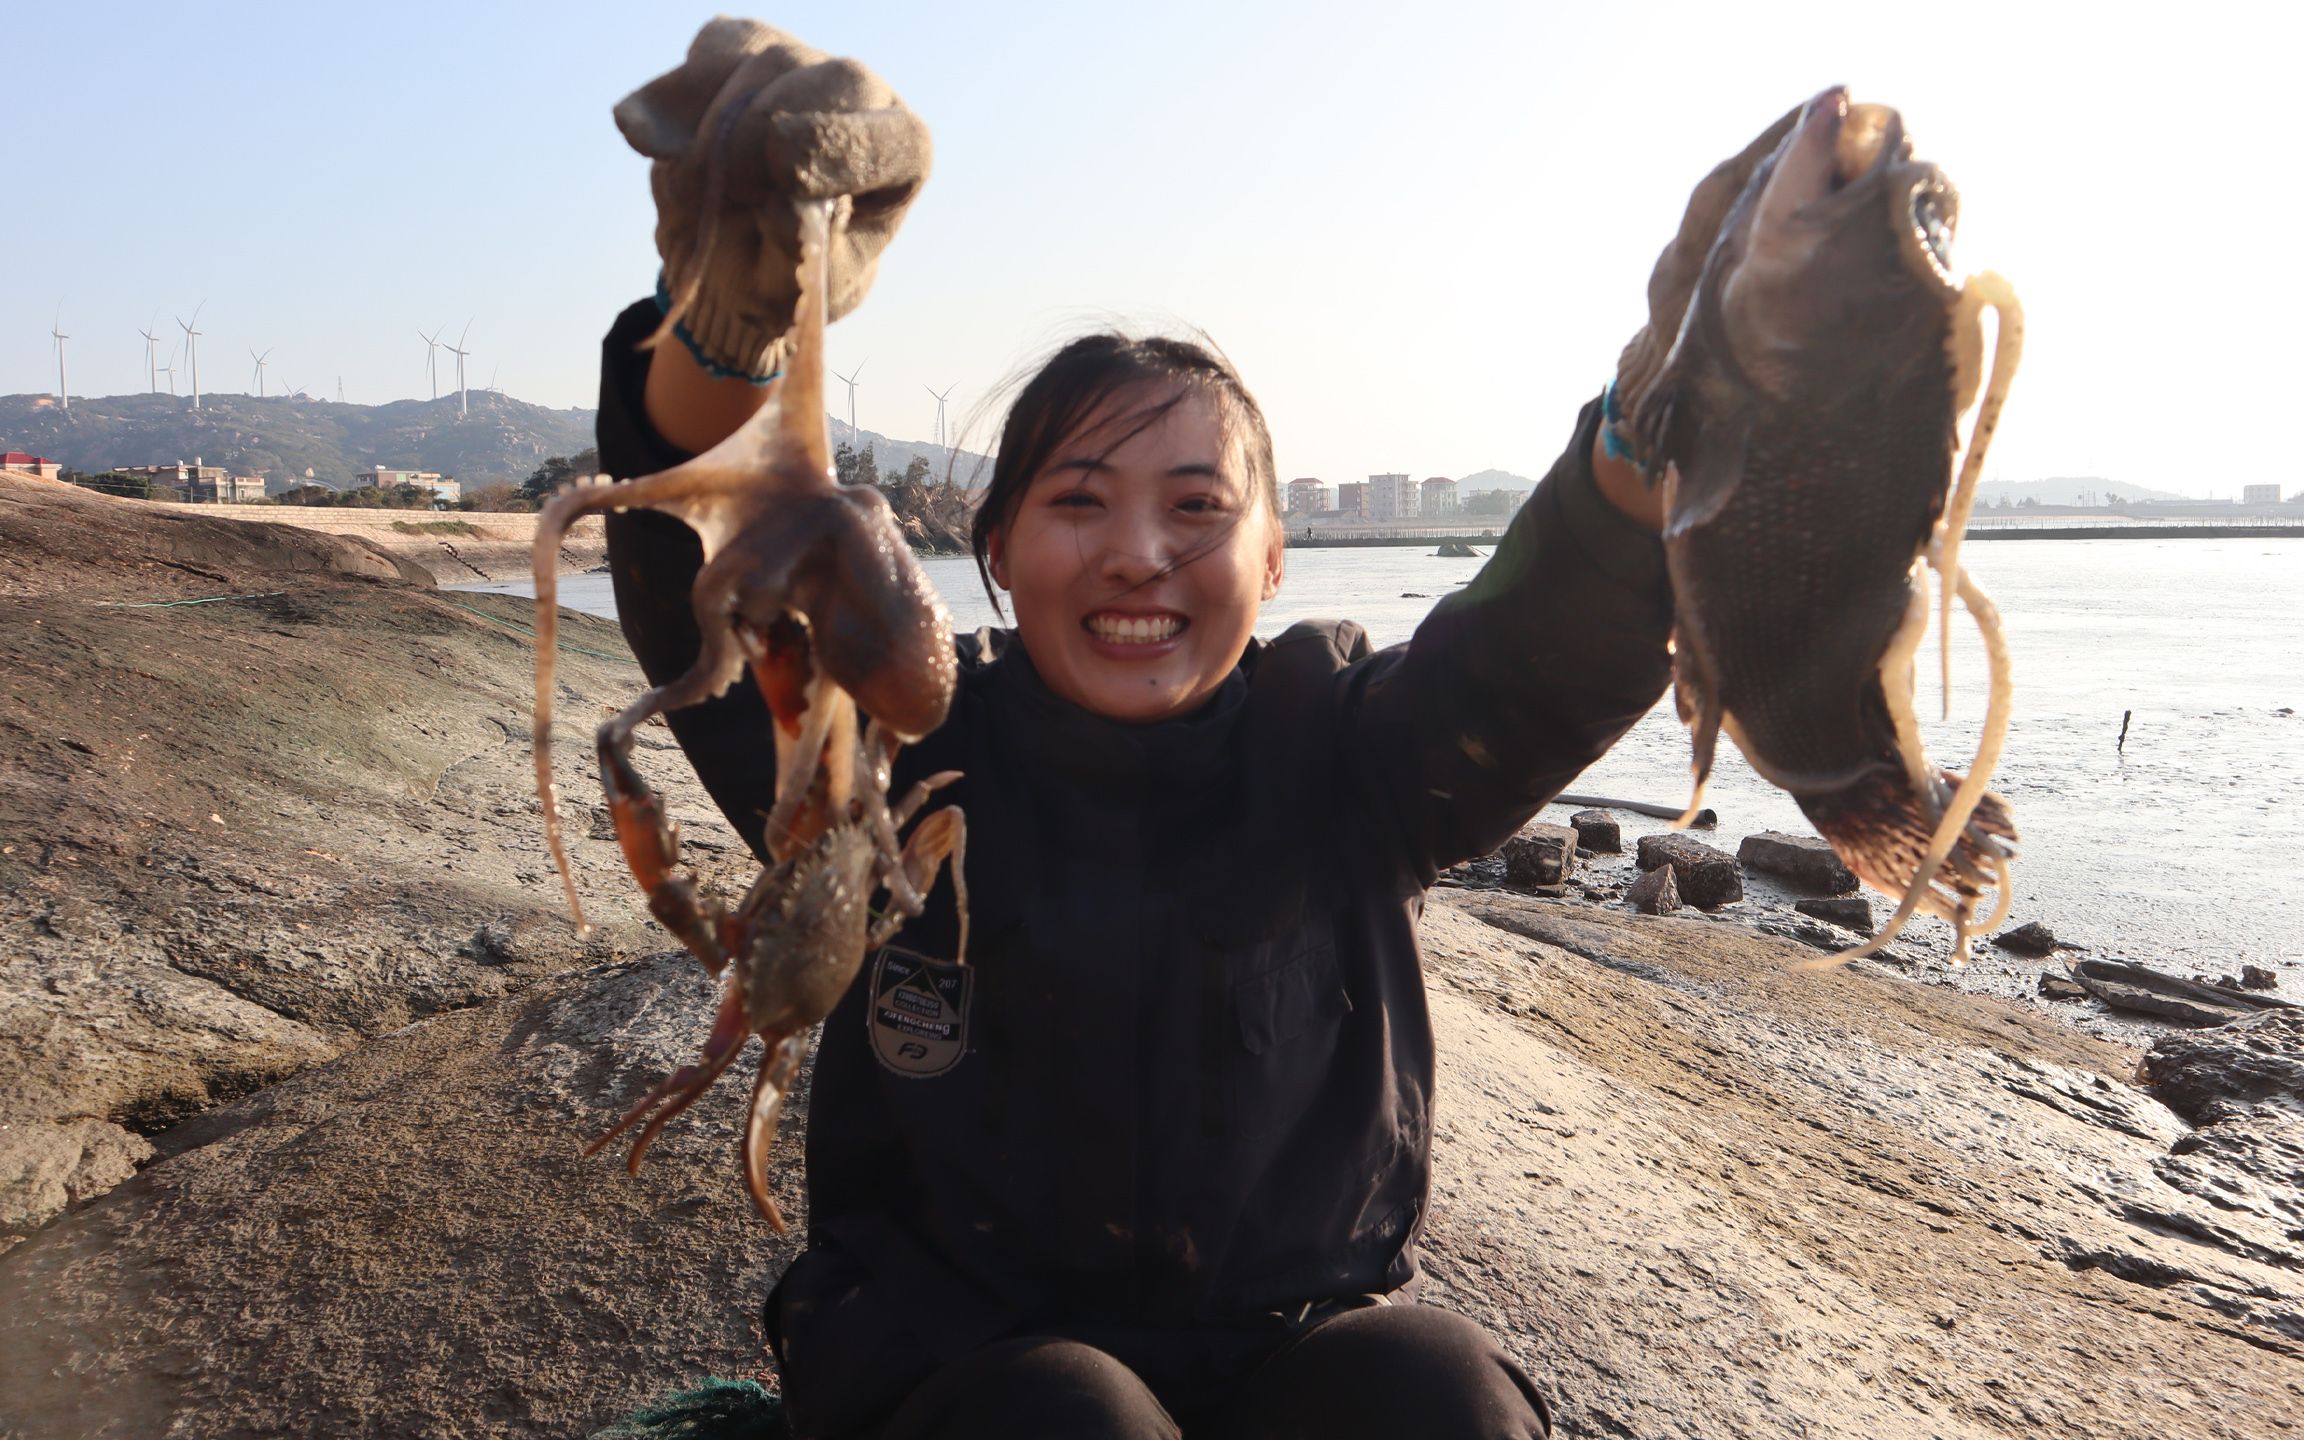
1136,567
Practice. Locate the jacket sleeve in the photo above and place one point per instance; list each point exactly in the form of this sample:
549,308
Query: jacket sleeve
1515,683
652,561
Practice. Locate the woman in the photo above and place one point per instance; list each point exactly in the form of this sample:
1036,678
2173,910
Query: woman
1156,1158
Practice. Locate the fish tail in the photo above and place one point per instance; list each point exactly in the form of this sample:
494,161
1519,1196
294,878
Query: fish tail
1886,831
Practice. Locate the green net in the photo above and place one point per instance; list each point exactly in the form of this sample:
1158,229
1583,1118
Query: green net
714,1410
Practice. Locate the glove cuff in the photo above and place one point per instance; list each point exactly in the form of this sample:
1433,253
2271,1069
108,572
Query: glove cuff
725,341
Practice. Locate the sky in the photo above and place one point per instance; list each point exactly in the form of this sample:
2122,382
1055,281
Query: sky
1422,232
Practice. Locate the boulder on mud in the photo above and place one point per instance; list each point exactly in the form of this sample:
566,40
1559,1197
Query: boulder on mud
1598,831
1655,893
2031,938
1804,862
1706,876
1540,855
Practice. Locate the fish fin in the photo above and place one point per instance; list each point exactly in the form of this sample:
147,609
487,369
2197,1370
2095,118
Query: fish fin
1697,491
1699,707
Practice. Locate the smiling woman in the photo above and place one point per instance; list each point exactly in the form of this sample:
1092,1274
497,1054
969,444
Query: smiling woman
1133,520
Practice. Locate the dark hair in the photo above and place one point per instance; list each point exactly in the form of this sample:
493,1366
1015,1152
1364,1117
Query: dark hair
1085,373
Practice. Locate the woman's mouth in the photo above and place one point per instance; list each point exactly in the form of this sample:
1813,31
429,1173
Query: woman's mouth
1114,628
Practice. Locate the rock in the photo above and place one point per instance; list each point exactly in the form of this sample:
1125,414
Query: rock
2209,1075
1641,1118
1540,855
1850,912
2258,977
1705,876
1804,861
409,1236
2061,987
1655,893
2031,938
1455,550
2134,987
1598,831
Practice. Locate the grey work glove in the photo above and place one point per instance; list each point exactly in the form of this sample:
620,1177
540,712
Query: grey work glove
1673,280
752,122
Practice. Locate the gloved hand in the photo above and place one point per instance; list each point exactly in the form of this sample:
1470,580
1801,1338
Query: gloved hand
1673,280
752,122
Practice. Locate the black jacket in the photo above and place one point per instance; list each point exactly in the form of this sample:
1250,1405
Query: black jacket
1183,1087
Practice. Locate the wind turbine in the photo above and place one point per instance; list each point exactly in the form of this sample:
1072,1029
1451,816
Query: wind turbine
152,353
192,350
171,369
432,357
463,403
940,410
259,359
56,328
850,382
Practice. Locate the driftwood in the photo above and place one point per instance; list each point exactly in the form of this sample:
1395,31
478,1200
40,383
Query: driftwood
2133,987
1705,819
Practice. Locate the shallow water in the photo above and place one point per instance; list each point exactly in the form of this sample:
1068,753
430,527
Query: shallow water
2178,851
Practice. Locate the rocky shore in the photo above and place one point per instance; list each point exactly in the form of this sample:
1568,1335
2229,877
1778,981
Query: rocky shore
297,1051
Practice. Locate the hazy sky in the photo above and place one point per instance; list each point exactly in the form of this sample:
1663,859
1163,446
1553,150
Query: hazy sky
1422,231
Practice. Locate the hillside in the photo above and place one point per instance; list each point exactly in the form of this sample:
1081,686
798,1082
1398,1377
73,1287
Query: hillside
2067,490
965,468
283,439
1493,480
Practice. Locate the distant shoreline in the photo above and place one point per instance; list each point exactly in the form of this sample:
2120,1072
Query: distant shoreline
1314,540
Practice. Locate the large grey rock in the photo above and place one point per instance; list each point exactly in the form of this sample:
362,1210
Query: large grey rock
406,1241
1849,912
1654,893
2033,937
1804,862
1706,876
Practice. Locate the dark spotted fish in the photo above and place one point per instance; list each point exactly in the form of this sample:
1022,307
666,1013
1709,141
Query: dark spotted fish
1806,426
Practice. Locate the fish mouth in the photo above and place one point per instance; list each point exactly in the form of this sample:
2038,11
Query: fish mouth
1844,156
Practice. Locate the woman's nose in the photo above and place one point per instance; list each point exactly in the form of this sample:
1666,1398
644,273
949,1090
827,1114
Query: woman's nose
1136,547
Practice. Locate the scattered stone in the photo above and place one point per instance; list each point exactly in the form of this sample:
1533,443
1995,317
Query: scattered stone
1655,893
1805,861
1706,877
1414,595
2030,938
2061,987
2258,977
1598,831
2206,1076
1849,912
1455,550
1540,855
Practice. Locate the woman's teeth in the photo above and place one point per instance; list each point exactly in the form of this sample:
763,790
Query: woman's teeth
1134,629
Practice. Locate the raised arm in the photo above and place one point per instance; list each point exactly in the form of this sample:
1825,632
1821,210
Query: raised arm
1518,681
750,122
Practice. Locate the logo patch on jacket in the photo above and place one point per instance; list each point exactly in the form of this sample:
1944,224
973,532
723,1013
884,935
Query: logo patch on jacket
919,1012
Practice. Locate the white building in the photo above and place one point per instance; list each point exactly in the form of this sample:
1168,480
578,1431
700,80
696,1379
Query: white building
1392,497
2260,494
1439,498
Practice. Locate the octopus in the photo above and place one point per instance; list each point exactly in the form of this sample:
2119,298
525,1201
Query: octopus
808,586
1805,427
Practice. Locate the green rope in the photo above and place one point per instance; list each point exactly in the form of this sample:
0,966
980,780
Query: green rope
715,1410
171,604
515,625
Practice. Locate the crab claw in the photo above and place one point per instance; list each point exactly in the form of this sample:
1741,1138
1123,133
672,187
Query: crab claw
651,846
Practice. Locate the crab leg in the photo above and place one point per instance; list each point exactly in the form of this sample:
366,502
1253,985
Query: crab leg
778,1069
680,1089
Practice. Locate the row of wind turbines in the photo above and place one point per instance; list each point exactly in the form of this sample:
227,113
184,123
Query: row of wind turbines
189,347
851,381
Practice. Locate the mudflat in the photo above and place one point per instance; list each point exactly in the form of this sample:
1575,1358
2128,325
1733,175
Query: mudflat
297,1051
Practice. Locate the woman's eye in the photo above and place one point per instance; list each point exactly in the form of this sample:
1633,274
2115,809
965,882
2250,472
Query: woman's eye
1073,500
1200,505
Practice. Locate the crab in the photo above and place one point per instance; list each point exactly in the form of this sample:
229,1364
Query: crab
807,584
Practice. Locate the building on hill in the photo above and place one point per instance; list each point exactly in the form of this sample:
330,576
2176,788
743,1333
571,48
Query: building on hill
38,465
195,482
1439,498
1307,497
1392,497
443,490
1352,500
